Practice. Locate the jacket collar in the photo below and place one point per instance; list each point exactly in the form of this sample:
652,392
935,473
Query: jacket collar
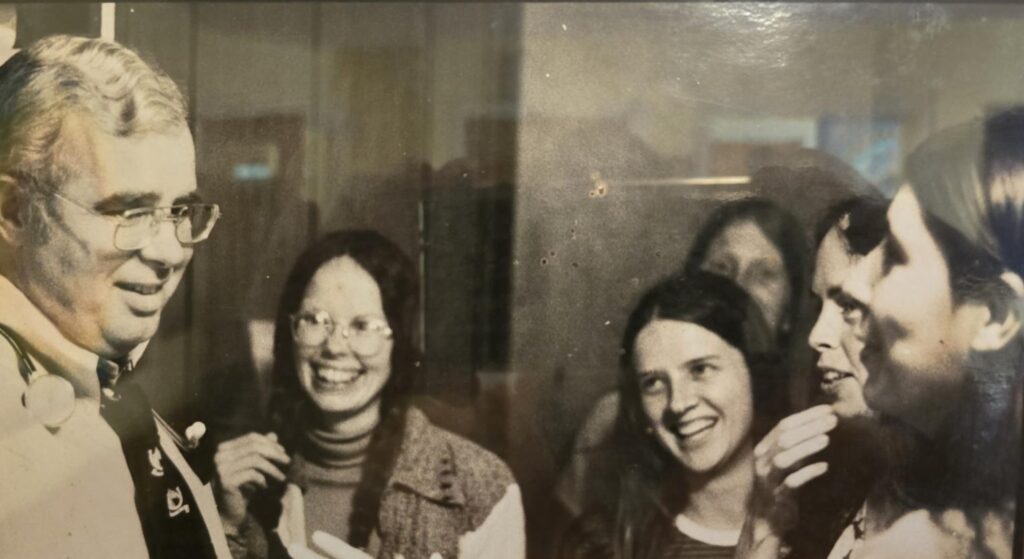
426,463
48,346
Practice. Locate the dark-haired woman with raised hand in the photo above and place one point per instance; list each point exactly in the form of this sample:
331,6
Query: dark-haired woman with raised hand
347,455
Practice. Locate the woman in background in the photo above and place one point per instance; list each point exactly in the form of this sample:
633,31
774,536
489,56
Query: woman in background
697,386
760,247
347,454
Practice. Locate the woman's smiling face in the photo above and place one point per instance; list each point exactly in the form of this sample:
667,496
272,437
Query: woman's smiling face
338,380
695,392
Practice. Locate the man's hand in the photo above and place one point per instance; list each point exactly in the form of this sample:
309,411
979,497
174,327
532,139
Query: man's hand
243,465
780,468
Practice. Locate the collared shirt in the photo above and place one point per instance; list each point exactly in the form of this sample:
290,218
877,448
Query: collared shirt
68,492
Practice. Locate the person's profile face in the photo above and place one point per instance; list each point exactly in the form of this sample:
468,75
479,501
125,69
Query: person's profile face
342,375
834,336
742,253
917,339
104,299
695,392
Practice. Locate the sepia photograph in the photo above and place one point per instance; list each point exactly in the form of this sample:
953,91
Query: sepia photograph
497,280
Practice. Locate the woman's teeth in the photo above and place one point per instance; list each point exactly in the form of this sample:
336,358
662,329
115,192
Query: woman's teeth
336,376
692,427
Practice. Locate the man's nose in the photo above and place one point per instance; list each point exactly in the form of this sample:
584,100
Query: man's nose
165,248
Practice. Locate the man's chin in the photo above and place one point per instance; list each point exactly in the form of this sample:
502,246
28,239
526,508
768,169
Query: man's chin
123,341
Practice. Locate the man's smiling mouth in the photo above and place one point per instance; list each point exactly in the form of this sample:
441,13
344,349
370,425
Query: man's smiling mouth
141,288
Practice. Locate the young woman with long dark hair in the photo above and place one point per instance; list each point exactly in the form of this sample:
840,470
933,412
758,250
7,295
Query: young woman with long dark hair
760,247
347,454
699,385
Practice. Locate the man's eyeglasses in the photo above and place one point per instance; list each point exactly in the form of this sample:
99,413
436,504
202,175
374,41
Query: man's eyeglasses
137,227
365,334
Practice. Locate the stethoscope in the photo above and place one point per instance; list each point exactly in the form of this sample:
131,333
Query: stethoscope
49,398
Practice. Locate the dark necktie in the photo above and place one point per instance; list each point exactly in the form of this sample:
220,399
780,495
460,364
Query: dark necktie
171,522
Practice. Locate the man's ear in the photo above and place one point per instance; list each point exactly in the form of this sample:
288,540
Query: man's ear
1000,328
12,211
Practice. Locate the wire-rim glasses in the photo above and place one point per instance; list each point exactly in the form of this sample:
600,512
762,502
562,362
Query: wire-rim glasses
365,334
136,228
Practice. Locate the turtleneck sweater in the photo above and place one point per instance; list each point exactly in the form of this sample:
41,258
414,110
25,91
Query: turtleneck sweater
328,470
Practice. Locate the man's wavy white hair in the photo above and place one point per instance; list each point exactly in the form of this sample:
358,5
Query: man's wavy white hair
63,76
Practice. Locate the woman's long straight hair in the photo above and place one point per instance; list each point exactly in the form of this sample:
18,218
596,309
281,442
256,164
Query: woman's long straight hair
781,229
969,181
646,500
396,277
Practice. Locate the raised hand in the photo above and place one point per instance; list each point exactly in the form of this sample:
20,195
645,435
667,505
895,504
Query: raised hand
780,467
243,466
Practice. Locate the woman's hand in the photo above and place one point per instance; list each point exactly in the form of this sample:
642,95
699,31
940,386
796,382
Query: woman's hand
243,465
780,467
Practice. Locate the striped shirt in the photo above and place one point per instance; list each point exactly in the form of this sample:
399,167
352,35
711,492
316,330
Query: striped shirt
692,541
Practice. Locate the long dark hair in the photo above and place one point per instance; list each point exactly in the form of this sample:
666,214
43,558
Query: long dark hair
645,501
397,279
969,181
781,229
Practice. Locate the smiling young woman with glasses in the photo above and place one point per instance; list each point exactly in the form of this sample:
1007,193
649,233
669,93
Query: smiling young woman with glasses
346,453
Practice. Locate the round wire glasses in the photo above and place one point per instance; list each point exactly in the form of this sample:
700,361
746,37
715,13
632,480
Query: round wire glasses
365,334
